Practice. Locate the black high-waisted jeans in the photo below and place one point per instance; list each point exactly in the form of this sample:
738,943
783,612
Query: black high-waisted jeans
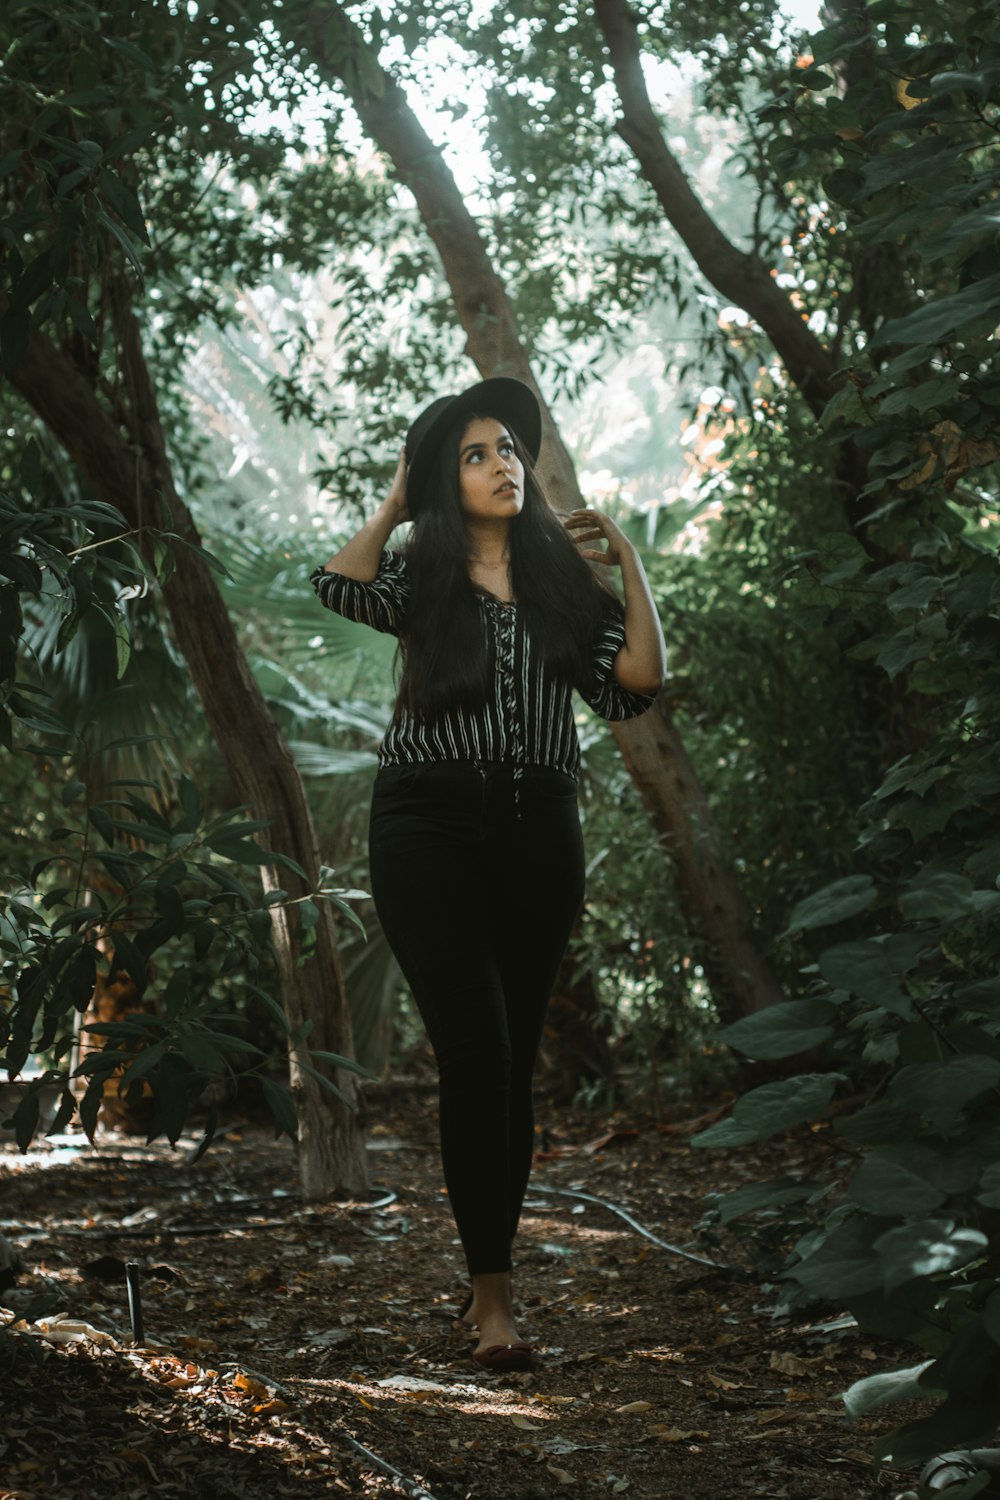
477,884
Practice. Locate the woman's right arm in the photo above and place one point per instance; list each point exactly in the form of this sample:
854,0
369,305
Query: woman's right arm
360,557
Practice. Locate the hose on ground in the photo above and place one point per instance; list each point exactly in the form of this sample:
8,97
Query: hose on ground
614,1208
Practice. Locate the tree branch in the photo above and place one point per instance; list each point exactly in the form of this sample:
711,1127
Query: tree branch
743,278
493,341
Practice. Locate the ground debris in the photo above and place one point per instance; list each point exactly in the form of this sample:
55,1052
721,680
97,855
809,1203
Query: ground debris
290,1350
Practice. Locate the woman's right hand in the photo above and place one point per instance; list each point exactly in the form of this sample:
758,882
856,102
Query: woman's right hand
396,498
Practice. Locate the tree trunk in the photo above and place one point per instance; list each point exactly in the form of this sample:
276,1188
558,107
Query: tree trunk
742,979
739,975
133,473
744,278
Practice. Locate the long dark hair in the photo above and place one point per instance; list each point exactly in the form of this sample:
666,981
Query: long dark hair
445,650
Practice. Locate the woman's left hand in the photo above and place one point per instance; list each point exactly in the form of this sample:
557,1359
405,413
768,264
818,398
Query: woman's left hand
592,526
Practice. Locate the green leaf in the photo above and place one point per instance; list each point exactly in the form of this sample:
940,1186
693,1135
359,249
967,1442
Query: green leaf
204,936
123,240
781,1030
25,1118
124,202
937,894
201,1053
915,595
921,397
884,1186
175,993
771,1108
270,1004
65,1112
890,1385
902,649
259,923
321,1079
190,802
282,1107
170,903
943,318
939,1091
834,903
240,851
777,1193
865,969
102,823
170,1098
144,1063
816,79
75,986
123,644
348,1063
933,1247
90,1105
844,1265
128,957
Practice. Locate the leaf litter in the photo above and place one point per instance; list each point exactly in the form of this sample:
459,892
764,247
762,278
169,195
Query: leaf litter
282,1364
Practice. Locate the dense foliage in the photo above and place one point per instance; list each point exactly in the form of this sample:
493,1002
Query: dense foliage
906,983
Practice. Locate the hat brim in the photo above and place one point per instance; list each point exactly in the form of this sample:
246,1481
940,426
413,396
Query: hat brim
510,401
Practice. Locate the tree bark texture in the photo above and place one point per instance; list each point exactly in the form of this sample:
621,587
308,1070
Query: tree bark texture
744,278
742,979
124,460
738,972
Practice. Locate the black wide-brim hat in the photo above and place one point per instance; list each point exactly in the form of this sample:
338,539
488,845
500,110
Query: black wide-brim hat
510,401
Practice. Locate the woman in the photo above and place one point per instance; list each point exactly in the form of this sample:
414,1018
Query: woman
476,854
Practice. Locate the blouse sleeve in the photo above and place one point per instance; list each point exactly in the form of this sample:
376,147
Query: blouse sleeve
380,603
604,694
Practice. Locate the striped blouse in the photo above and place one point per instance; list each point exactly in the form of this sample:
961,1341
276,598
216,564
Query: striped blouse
527,717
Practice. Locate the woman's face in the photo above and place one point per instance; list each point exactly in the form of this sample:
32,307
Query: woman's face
490,474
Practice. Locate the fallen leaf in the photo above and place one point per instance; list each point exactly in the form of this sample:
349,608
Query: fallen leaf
194,1342
270,1408
616,1138
792,1364
136,1456
524,1424
724,1385
633,1406
772,1414
330,1338
250,1386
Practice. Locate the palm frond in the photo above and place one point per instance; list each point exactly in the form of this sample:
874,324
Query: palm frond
373,982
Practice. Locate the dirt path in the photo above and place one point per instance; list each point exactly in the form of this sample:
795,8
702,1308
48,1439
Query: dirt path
276,1334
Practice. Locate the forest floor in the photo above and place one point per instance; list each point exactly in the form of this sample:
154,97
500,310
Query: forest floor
279,1336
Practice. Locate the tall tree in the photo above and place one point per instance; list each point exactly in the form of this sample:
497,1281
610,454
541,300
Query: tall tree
74,221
